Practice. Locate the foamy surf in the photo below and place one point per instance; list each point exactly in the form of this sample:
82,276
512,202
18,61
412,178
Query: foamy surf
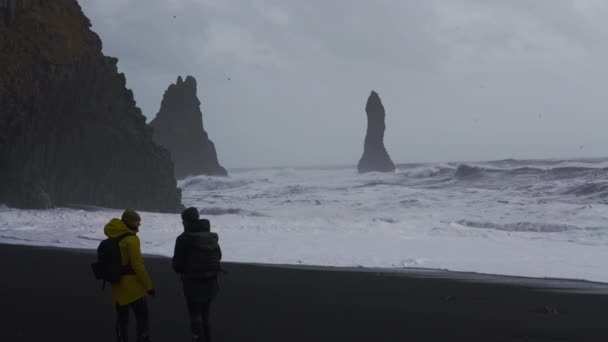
524,218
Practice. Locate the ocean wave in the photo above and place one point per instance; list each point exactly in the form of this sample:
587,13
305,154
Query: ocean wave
569,172
522,226
509,183
594,189
468,172
285,191
209,183
16,238
216,211
376,183
475,172
426,171
90,238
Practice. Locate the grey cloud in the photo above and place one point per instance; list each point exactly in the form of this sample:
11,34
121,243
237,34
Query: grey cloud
461,80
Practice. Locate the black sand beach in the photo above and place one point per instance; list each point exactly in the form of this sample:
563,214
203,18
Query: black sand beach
50,295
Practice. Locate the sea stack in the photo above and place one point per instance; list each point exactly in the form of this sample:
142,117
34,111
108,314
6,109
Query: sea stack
375,157
70,131
178,126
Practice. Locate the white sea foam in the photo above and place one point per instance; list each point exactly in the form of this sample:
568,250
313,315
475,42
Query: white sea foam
541,218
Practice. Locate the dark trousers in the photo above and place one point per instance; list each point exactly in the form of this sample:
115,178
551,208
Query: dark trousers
199,320
140,309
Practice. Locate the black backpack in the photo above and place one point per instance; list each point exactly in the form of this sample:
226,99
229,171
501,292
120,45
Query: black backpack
109,266
204,257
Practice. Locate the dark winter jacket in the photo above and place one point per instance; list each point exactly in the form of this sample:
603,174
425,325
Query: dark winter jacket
197,253
197,258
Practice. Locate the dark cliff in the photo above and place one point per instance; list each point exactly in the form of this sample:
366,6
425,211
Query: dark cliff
178,126
70,132
375,157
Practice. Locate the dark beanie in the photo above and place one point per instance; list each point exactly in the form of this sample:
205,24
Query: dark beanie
129,216
190,215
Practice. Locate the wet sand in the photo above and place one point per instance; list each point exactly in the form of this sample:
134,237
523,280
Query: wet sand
49,294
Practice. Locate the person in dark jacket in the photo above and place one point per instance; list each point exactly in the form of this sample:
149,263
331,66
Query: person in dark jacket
197,258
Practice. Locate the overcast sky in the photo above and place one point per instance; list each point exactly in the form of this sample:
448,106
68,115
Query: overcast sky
459,79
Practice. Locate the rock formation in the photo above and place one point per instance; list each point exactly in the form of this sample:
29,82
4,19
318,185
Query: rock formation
375,157
70,132
178,126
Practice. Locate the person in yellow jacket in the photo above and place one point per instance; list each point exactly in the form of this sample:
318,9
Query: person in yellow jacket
133,287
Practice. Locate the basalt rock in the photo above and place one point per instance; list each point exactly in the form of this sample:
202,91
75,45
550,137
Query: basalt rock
375,157
178,126
70,131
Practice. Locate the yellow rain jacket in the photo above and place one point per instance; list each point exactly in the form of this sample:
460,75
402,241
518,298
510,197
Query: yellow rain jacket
132,286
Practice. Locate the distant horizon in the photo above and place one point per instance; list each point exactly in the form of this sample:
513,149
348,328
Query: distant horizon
397,164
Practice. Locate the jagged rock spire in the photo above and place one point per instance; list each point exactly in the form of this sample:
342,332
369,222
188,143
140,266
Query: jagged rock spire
375,157
178,126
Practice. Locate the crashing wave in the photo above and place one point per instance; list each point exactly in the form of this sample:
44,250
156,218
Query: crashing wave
561,172
215,211
209,183
468,172
521,226
426,171
595,189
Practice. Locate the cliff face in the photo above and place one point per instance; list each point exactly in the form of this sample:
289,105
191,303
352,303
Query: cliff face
70,132
375,157
178,126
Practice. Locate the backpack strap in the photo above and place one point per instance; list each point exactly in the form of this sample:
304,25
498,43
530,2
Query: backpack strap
118,239
126,269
